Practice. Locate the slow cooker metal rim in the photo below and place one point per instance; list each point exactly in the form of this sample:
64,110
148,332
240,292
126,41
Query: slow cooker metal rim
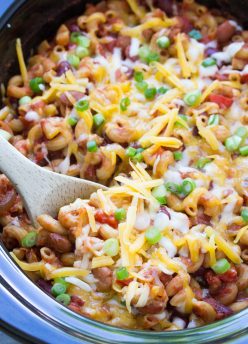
21,300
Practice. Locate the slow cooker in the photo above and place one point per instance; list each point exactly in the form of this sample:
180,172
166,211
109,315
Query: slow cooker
24,308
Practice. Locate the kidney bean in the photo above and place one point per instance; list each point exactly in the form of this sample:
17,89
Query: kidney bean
123,42
153,307
164,5
9,242
76,303
75,94
7,200
164,278
221,310
32,255
73,27
104,276
213,281
44,285
147,34
59,243
63,67
225,32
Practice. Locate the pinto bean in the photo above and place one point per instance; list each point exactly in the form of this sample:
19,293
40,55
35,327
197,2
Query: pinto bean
104,276
225,32
153,307
59,243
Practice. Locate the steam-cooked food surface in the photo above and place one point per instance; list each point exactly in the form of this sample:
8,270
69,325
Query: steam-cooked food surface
150,98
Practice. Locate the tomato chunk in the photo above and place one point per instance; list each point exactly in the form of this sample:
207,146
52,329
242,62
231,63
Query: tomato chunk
222,101
101,217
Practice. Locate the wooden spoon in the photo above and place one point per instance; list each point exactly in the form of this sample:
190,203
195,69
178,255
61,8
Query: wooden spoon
42,191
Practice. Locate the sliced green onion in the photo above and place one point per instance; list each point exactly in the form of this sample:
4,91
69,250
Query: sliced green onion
138,76
98,120
58,289
82,105
37,85
209,62
241,132
74,60
144,52
92,146
61,280
243,150
160,192
78,38
72,121
120,214
5,134
82,52
138,157
83,41
163,42
202,162
122,274
214,120
178,156
162,90
65,299
184,118
131,152
244,214
125,102
221,266
141,86
25,100
153,235
148,56
111,247
188,185
173,188
193,98
150,93
74,37
152,57
232,143
195,34
29,240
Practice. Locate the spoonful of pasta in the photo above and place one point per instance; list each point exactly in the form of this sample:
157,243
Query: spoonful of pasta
42,191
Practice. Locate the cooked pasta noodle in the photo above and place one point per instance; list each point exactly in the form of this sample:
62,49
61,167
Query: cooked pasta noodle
154,105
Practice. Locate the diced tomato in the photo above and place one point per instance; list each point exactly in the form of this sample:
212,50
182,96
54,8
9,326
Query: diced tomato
101,217
230,276
124,282
244,79
222,101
